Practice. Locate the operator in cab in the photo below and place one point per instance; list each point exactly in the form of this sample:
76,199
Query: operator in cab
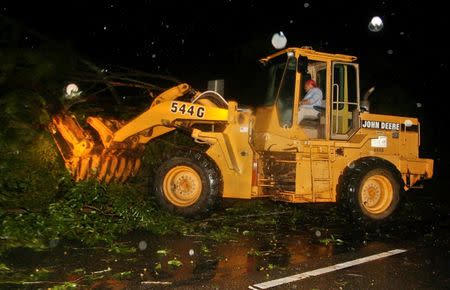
312,98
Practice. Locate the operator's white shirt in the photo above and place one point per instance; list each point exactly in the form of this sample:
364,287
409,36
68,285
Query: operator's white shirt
314,95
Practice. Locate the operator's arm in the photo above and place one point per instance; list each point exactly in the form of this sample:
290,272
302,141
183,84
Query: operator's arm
314,96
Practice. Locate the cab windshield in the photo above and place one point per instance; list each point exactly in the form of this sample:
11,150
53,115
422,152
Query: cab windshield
280,86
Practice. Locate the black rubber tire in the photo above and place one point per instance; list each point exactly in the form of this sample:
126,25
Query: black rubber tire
211,182
350,189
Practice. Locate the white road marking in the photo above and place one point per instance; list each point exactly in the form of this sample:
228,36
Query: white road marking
289,279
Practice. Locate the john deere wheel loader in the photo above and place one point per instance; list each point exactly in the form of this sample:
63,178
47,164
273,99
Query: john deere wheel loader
344,154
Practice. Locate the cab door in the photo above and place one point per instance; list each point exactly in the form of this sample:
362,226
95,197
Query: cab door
344,100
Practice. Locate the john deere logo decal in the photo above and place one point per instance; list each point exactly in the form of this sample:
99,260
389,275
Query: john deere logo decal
380,125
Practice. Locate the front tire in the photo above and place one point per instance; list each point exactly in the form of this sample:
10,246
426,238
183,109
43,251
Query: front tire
371,190
189,184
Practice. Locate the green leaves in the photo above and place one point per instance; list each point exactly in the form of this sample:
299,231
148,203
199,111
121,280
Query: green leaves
122,275
163,252
4,268
65,286
118,249
91,213
332,241
175,263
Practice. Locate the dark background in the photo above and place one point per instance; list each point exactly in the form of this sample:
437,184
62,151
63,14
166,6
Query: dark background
196,41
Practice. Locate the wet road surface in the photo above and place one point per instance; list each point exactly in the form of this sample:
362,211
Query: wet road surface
257,253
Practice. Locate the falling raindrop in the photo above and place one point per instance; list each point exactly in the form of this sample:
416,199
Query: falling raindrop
191,252
72,91
279,40
306,5
142,245
318,233
53,243
419,105
390,51
376,24
153,55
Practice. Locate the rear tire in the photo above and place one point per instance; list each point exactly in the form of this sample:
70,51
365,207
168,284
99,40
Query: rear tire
371,189
188,184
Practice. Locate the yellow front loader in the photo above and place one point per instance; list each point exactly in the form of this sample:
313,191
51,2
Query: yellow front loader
343,153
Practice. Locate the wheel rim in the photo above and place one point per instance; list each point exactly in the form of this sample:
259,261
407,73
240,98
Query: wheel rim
377,194
182,186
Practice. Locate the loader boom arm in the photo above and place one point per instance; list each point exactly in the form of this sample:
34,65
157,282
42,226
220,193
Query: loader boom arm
116,153
166,114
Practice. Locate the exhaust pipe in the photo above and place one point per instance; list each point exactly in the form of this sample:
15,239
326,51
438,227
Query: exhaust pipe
364,104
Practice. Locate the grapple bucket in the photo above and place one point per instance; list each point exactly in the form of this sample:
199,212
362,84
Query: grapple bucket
85,155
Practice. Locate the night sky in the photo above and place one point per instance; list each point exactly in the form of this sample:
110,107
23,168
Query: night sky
195,41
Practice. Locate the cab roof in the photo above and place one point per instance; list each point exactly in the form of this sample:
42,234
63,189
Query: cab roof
311,54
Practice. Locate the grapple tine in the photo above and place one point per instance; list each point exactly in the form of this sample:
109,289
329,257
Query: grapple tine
136,167
73,167
127,171
120,168
112,169
77,172
84,168
95,163
104,168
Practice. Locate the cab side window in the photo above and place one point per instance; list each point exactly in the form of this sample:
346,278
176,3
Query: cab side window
345,99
